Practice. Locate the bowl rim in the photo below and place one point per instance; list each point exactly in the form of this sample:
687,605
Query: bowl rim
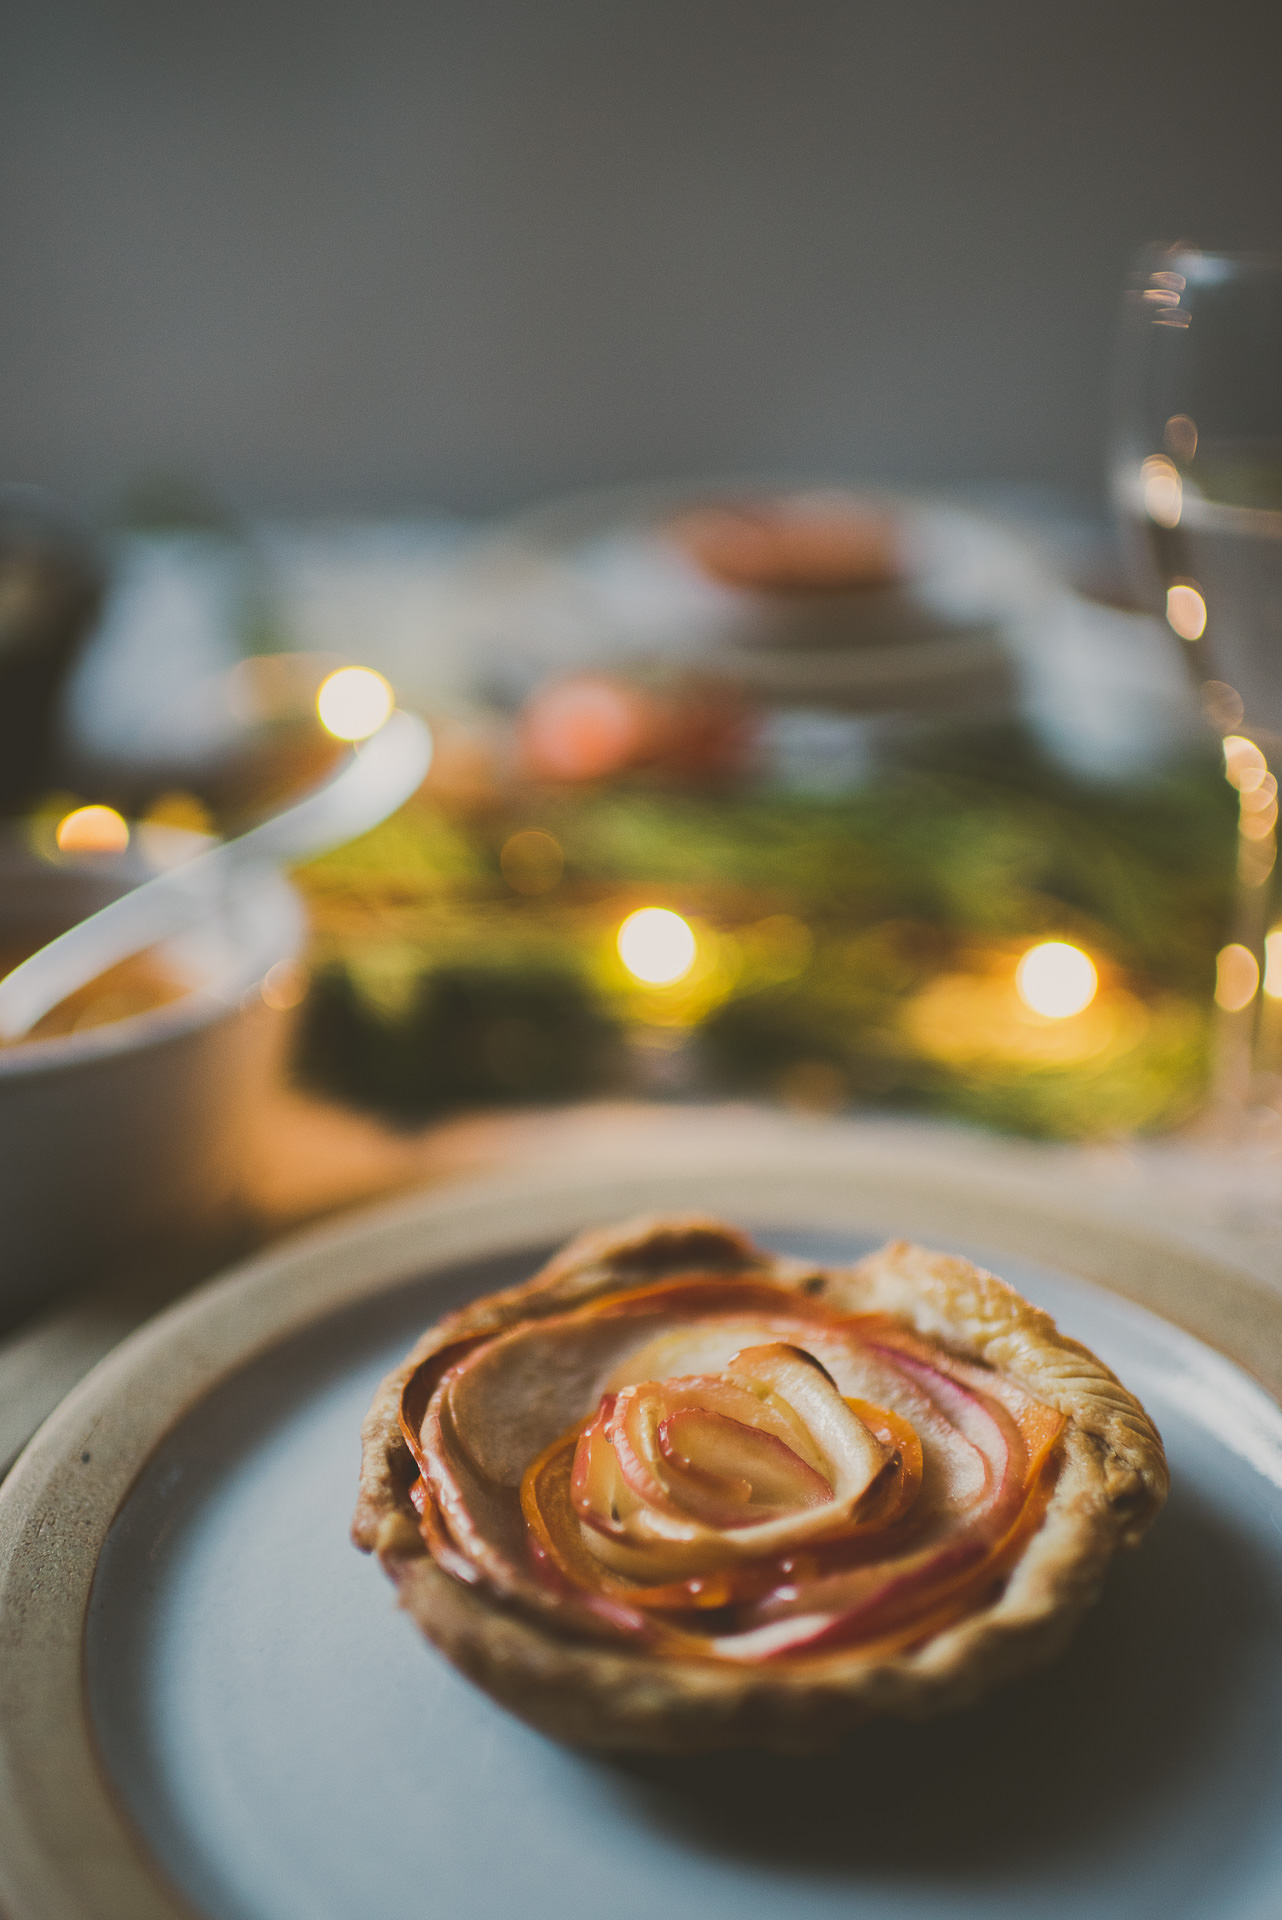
279,927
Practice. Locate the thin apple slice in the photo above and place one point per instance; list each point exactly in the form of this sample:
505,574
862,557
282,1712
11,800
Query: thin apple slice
751,1474
557,1538
984,1433
852,1455
743,1426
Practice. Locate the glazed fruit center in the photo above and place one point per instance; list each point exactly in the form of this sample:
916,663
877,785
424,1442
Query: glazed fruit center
767,1451
753,1474
760,1507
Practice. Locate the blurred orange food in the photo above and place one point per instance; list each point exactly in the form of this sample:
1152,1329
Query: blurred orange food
808,543
593,726
137,985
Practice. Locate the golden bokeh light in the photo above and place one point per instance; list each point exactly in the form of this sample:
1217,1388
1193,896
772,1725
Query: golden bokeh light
182,810
1246,769
1056,980
657,946
1253,777
1163,491
354,703
1256,858
284,985
1237,975
1258,826
1181,436
532,861
1222,705
1244,764
1185,611
1273,965
779,947
92,830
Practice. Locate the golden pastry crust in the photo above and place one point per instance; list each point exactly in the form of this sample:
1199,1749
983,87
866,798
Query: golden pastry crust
1111,1483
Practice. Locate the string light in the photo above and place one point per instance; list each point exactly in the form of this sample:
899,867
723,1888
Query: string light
1056,980
1273,965
1237,975
1163,491
1185,611
657,946
1244,765
92,830
354,703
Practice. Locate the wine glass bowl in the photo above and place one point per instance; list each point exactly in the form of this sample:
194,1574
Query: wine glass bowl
1198,468
1197,483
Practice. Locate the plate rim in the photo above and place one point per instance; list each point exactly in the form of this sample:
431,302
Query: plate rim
59,1502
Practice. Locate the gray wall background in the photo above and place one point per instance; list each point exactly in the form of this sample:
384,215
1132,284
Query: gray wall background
460,253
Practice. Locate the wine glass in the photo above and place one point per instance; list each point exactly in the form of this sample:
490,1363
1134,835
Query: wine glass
1197,482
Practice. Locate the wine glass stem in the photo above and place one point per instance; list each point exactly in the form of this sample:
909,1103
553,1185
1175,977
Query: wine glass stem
1247,1031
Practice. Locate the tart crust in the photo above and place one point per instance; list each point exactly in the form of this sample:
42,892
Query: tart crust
1111,1483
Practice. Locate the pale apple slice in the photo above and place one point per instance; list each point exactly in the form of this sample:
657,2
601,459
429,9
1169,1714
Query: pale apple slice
741,1466
983,1432
852,1456
514,1393
735,1474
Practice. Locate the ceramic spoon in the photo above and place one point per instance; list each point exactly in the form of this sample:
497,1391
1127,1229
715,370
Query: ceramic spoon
372,782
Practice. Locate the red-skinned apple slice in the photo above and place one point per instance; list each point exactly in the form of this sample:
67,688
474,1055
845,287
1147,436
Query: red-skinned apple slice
895,1603
548,1505
983,1428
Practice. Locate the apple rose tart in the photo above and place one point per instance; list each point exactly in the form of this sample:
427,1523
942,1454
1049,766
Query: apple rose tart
677,1492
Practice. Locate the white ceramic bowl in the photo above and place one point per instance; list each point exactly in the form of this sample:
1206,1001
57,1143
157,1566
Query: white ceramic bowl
127,1138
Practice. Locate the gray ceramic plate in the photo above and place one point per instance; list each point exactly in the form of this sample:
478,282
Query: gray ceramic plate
261,1736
